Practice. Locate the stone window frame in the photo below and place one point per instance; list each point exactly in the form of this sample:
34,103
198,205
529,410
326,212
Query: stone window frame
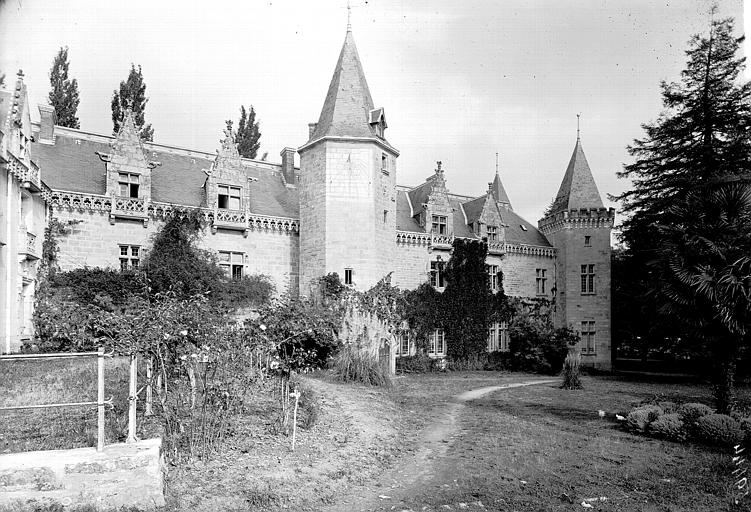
541,278
126,179
403,343
437,279
492,233
130,256
588,279
349,276
587,240
492,271
384,164
229,196
439,224
498,339
588,335
234,264
436,338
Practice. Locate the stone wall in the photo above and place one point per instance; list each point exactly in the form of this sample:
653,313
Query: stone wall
119,475
93,241
520,273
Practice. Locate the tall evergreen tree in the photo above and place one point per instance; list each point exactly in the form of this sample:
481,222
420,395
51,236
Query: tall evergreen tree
132,94
700,142
248,134
64,91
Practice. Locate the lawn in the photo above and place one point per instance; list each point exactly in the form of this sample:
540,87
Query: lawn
530,448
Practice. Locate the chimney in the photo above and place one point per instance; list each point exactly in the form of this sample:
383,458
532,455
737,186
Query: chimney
311,129
47,124
288,165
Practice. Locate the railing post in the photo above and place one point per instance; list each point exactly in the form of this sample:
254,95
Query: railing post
149,390
132,399
100,399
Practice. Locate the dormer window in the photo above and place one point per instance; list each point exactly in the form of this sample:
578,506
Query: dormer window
229,197
492,233
128,184
440,225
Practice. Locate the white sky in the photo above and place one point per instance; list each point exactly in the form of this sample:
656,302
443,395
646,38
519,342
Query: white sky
459,80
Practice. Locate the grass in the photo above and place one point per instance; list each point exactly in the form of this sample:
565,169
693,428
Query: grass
544,448
40,381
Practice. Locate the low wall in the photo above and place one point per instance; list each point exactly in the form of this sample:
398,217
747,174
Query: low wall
121,474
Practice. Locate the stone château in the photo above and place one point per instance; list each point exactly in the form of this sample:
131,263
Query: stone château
340,211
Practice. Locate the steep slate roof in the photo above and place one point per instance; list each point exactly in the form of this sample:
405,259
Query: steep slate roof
578,189
498,191
472,208
72,164
346,110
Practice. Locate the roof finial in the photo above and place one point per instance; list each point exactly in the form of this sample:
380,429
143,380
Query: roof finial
577,127
496,163
349,17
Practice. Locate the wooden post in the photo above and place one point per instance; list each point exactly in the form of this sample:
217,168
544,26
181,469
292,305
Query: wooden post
149,390
295,394
132,399
100,399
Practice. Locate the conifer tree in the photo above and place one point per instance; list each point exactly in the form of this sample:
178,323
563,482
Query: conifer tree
248,134
64,91
132,94
679,235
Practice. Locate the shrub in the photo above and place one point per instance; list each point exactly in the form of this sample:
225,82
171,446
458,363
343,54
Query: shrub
354,365
472,362
668,426
668,407
691,412
497,361
719,429
534,344
746,427
419,363
572,372
639,419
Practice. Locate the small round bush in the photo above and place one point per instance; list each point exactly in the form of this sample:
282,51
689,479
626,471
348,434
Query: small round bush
668,426
719,429
668,407
692,411
639,419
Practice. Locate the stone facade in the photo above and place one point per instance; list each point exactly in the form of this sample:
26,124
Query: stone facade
23,216
341,211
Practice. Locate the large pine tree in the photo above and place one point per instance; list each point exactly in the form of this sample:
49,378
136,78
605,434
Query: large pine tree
248,134
132,94
64,91
699,146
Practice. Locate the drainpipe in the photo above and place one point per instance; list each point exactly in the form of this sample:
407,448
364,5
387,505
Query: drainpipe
9,266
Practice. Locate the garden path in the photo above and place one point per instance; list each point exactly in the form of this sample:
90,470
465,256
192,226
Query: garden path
411,476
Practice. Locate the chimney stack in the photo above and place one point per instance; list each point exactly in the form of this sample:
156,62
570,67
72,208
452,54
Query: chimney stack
311,129
288,165
48,118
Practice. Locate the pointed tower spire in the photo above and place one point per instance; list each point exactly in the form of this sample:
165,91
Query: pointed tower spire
578,188
496,188
348,109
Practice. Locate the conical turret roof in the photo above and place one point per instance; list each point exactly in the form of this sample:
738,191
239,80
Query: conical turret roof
348,102
499,193
578,188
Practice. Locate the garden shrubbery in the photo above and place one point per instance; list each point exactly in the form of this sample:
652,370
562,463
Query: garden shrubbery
354,365
690,421
419,363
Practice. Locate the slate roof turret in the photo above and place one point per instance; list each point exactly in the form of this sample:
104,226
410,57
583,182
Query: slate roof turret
578,188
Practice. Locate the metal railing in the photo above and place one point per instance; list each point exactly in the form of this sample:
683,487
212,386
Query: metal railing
100,402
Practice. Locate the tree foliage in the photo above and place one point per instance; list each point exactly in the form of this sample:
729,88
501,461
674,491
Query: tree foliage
63,94
682,240
132,95
248,133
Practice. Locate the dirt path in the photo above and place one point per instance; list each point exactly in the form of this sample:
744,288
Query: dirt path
412,474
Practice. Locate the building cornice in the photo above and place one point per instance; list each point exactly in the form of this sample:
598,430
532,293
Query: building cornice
591,218
141,209
379,142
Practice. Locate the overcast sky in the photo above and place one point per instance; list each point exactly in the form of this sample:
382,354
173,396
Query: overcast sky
459,81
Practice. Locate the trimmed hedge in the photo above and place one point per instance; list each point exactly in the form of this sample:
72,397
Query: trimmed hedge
691,412
639,419
669,426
